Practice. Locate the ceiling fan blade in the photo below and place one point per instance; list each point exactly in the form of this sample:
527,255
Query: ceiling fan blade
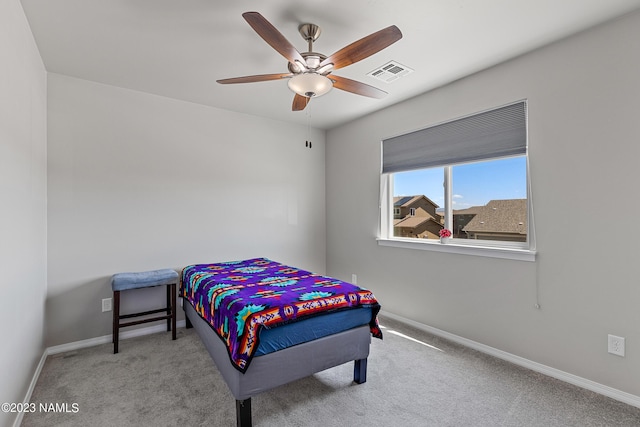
299,102
363,48
253,79
273,37
356,87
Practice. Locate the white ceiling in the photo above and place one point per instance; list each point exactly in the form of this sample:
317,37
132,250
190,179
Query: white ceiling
179,48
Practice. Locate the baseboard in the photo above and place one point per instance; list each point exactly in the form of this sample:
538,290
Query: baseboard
613,393
32,385
132,333
77,345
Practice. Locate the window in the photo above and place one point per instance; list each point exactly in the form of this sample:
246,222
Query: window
468,175
488,200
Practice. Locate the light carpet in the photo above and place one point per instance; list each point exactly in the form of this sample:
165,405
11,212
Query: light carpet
413,379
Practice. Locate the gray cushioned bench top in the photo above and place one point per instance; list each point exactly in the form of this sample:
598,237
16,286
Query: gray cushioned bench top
143,279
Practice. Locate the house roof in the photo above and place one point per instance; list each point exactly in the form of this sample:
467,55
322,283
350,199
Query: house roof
413,221
407,201
500,216
473,210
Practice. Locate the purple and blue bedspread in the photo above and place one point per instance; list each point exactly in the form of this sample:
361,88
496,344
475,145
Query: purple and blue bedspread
238,298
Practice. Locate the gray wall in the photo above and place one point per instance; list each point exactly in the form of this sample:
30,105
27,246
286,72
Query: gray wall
584,132
139,182
23,204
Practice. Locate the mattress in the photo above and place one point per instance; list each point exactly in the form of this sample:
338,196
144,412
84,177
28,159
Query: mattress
281,337
259,306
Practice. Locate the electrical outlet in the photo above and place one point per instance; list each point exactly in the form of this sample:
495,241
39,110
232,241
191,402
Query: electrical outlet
616,345
354,279
106,304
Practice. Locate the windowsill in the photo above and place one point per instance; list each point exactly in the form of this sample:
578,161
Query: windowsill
465,248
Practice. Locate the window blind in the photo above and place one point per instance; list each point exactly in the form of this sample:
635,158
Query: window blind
500,132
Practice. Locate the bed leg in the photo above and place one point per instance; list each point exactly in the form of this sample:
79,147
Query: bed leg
360,371
243,412
188,325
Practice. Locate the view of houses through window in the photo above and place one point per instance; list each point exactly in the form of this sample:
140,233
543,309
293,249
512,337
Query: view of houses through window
488,201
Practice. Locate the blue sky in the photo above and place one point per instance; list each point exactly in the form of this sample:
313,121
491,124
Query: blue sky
474,184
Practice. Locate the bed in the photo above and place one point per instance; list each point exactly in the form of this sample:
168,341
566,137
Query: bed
265,324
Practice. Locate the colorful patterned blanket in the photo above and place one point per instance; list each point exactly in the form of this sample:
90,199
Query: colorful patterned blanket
237,298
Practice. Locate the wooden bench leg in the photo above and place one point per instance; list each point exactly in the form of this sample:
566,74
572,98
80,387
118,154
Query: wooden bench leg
116,320
168,306
173,310
243,412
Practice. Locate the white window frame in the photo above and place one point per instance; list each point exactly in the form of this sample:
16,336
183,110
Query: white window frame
488,248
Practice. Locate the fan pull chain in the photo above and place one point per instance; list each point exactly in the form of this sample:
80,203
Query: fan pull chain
308,141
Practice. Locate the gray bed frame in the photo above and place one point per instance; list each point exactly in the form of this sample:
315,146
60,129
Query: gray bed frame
283,366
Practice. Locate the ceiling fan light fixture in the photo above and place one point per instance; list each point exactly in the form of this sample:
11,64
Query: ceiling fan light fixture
298,67
310,84
325,68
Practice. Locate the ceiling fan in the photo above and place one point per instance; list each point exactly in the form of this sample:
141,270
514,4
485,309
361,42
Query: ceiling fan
310,72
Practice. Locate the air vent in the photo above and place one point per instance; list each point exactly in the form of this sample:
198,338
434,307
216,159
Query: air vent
390,72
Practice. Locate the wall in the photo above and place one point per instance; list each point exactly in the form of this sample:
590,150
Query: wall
23,204
139,182
584,145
